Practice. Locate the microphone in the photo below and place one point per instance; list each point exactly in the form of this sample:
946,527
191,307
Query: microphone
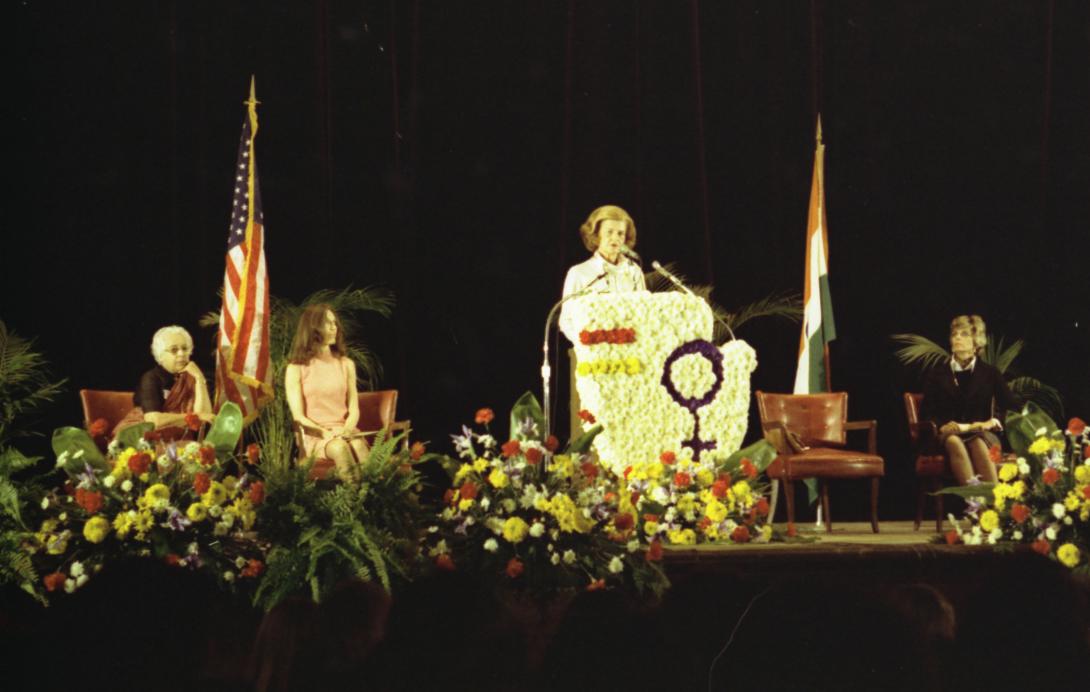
630,254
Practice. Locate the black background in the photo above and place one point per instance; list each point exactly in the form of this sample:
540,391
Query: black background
451,150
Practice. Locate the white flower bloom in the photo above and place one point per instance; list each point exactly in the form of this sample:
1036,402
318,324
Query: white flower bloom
109,481
78,454
537,529
228,576
62,458
76,569
215,511
569,557
485,503
45,502
114,447
126,486
671,514
509,505
1016,535
633,546
616,565
995,535
1041,432
192,548
555,558
491,545
63,516
69,585
1058,510
240,562
1023,466
470,521
220,529
433,529
1051,532
81,580
1068,521
487,441
660,495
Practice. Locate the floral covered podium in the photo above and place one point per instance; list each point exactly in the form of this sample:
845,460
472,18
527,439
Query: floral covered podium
646,369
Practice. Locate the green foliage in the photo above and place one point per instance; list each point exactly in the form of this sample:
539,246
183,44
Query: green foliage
761,453
324,536
919,351
1026,426
76,448
526,408
130,435
226,428
25,384
966,491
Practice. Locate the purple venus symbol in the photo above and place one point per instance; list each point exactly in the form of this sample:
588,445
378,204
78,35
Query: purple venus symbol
707,350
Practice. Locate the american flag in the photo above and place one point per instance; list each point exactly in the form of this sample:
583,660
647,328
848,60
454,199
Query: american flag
243,370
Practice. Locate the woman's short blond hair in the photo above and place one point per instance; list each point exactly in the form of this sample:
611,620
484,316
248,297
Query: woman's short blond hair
975,325
589,230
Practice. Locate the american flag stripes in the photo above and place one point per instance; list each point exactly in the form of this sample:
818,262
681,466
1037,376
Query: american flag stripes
243,369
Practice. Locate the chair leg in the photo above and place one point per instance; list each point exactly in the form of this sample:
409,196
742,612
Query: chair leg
823,488
774,492
789,495
874,504
939,514
919,503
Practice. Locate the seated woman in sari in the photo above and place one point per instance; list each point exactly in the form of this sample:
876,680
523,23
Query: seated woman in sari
320,384
172,389
962,398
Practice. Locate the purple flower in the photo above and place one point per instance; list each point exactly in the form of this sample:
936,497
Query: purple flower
528,429
176,521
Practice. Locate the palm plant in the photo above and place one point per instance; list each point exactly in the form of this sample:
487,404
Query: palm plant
919,351
273,428
787,305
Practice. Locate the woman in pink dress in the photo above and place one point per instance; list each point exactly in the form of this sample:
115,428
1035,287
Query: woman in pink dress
320,382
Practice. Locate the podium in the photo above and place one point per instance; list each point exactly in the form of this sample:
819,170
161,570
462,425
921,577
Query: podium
646,369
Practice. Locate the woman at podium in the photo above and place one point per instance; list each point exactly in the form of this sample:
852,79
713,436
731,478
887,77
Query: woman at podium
610,234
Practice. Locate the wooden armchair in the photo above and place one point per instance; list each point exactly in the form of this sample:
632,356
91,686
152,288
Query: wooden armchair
820,423
377,412
101,403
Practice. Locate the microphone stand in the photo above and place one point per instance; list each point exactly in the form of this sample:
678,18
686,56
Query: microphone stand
546,370
677,282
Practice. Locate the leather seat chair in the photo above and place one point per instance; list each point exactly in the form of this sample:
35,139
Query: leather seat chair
819,423
377,412
101,403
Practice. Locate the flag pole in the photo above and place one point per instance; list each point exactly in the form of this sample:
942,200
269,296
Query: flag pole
821,201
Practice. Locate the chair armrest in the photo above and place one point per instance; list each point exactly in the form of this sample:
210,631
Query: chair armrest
871,426
401,426
300,428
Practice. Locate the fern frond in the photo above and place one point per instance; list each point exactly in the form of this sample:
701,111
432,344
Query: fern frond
1045,396
1002,358
919,351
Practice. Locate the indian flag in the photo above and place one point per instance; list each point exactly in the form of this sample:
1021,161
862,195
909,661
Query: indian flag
818,329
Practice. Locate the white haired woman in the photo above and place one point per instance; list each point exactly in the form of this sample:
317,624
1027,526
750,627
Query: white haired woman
962,398
173,388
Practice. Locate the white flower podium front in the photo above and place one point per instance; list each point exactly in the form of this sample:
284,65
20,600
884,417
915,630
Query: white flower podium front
648,372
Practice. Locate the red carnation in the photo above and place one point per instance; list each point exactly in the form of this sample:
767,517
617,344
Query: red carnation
533,455
584,337
740,534
1086,491
667,457
416,451
468,491
484,416
654,551
634,497
1050,476
590,469
596,585
53,581
1020,513
514,567
623,521
627,470
193,421
89,500
682,479
208,456
703,523
444,562
257,492
551,443
1086,452
719,488
587,417
995,453
761,507
172,559
952,537
651,517
510,448
748,468
139,463
253,568
1076,426
253,453
1041,546
201,483
448,496
99,427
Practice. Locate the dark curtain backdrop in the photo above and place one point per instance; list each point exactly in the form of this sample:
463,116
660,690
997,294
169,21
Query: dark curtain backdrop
451,150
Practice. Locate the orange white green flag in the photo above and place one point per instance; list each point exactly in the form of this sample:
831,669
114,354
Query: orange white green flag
818,328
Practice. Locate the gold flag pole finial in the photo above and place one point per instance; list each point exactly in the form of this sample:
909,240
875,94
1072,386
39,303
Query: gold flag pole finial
819,130
252,101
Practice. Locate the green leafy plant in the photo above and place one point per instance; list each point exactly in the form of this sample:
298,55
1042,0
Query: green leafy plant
919,351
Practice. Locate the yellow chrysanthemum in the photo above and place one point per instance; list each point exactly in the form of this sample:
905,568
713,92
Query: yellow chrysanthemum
1082,473
123,523
1008,472
681,536
498,478
711,532
244,510
766,532
989,520
655,470
705,477
231,483
465,504
686,503
96,529
515,529
1018,490
650,527
479,465
463,471
1068,554
741,491
157,497
562,466
1072,502
143,523
716,511
215,495
197,512
569,516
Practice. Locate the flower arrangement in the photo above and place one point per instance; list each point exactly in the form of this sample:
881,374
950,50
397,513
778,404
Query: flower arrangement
680,390
190,504
1041,499
536,519
682,501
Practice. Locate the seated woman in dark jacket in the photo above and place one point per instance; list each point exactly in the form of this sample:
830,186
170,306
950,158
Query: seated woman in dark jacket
963,398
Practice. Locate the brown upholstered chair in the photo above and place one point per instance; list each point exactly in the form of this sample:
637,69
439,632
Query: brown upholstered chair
100,403
820,422
377,412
